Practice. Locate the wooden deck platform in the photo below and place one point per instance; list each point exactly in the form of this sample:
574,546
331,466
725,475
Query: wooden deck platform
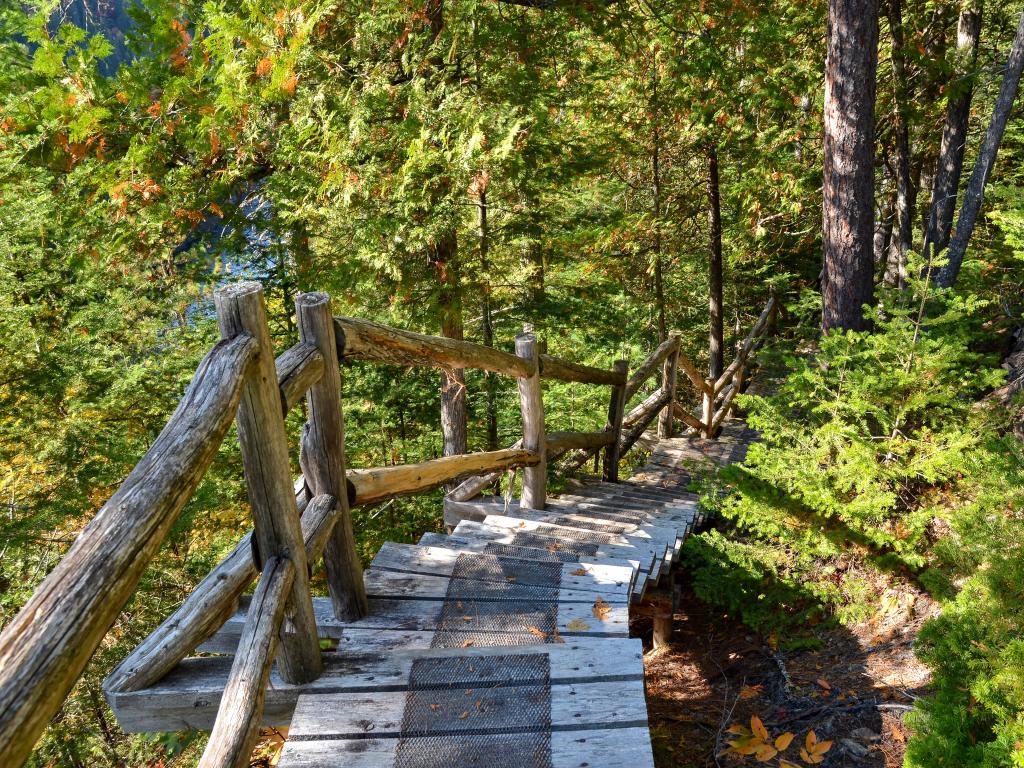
503,644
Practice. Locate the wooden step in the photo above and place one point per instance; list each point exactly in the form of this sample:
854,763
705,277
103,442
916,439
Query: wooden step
518,707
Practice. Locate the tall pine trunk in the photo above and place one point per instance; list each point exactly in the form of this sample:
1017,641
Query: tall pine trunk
848,190
974,195
954,132
490,382
716,362
444,255
902,240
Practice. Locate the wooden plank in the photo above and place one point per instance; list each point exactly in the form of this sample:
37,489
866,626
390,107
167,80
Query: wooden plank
404,614
364,340
188,697
388,584
323,456
569,533
328,716
45,647
603,748
531,406
563,370
625,570
610,581
380,483
241,709
269,485
644,559
297,368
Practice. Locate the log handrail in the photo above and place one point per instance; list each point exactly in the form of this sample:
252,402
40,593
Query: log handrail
46,646
380,483
648,367
564,370
366,340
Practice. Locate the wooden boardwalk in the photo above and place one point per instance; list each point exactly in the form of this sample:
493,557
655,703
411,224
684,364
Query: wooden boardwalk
505,643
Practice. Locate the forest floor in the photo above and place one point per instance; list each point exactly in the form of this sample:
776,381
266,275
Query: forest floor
853,690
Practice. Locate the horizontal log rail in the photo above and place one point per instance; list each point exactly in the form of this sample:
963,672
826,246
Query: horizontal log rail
380,483
365,340
560,442
46,646
563,370
298,368
650,366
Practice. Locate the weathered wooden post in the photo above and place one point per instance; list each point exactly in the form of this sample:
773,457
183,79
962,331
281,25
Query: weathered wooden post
240,308
708,407
531,402
668,386
616,408
323,457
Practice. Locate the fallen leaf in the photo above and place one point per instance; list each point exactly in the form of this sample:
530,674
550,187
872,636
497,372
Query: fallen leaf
758,728
466,643
538,632
751,691
601,609
464,715
783,741
580,572
577,625
824,684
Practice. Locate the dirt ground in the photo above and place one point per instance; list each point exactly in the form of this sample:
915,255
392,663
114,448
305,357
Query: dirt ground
717,674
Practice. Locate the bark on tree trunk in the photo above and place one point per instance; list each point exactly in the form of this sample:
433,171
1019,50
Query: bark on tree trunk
716,363
954,132
444,257
848,193
659,276
974,195
902,241
490,381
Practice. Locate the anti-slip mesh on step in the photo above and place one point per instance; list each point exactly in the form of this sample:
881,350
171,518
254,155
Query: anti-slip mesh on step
532,553
453,703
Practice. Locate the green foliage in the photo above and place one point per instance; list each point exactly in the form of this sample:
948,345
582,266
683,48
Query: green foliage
864,444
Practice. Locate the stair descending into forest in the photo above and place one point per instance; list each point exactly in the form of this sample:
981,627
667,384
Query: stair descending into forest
503,644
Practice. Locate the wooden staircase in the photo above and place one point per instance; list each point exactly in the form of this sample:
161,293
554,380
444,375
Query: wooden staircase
504,643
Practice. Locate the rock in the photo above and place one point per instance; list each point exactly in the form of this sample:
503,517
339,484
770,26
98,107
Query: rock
854,749
866,735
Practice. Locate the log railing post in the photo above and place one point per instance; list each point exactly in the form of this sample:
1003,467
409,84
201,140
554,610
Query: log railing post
707,407
261,434
616,408
668,387
323,457
531,402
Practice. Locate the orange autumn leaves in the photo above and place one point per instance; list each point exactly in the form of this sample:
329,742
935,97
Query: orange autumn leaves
756,742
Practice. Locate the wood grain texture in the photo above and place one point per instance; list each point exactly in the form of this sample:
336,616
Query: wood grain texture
189,696
298,367
241,706
364,340
647,368
269,485
564,370
210,604
381,483
323,456
569,749
560,442
531,405
45,647
616,411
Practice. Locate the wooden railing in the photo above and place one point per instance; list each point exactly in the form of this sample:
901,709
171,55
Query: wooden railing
46,646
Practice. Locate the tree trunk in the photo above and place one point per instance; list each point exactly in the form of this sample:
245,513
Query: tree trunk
848,193
444,257
884,221
490,382
902,240
716,363
974,195
659,277
954,132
